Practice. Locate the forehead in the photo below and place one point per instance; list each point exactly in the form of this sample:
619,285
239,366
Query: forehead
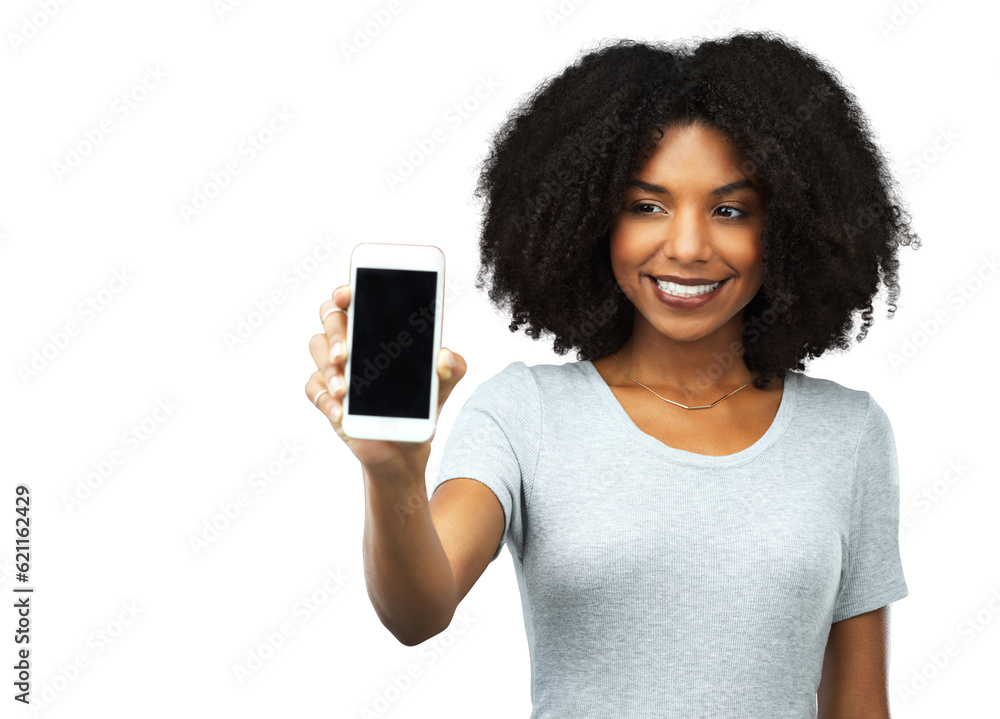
693,144
693,156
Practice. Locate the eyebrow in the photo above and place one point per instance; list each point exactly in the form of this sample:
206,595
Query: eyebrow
737,185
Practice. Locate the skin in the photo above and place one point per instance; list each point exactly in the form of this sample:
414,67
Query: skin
687,355
855,669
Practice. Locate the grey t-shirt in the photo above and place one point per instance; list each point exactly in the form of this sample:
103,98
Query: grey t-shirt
659,582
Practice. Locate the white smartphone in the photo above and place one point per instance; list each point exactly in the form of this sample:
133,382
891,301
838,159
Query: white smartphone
393,338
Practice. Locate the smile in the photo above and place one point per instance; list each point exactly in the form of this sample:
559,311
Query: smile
672,288
686,297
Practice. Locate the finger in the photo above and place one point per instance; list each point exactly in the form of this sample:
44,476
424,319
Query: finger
335,323
449,376
319,349
341,300
335,326
330,408
322,398
342,296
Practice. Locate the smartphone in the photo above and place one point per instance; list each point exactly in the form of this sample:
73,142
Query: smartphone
393,338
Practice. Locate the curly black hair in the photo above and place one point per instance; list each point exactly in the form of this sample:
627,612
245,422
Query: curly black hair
556,173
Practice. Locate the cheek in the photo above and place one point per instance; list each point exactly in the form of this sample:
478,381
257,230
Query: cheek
748,255
627,244
624,261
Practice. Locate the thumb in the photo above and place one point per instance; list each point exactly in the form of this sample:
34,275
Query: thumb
451,366
450,375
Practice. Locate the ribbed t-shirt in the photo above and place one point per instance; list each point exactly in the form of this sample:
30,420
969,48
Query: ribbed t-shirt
659,582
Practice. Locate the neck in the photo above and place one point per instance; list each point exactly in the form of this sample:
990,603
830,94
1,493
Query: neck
690,371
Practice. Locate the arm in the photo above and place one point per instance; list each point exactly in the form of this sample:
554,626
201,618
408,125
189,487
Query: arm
407,572
855,668
422,557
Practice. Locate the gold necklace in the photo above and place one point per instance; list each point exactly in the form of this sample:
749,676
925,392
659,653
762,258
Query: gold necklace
704,406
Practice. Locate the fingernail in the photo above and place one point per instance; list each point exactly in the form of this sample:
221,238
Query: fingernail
338,349
452,362
335,411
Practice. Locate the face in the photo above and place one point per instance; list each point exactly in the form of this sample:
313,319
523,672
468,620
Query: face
691,213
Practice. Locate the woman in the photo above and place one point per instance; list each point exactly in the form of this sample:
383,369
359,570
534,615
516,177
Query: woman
698,528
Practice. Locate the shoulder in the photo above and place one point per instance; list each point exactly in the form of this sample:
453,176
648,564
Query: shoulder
831,403
516,378
524,394
853,415
510,396
537,380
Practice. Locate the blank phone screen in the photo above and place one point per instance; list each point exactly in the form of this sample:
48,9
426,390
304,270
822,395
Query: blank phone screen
392,343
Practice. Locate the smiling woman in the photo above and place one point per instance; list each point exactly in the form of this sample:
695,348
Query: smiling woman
698,528
727,202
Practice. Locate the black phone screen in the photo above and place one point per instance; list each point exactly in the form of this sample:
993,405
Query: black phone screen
392,342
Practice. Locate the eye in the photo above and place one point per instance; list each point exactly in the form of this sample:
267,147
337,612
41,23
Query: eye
644,209
743,214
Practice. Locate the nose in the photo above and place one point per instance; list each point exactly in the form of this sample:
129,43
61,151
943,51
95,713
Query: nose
687,238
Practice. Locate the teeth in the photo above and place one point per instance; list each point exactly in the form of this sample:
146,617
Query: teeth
685,290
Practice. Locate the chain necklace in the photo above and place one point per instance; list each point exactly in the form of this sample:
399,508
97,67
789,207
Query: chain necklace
704,406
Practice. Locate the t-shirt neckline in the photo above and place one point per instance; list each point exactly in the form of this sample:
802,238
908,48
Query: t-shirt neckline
781,421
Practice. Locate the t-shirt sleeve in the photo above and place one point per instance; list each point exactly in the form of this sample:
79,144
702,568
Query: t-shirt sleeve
495,440
872,575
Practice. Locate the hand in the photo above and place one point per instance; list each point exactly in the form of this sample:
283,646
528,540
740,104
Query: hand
329,375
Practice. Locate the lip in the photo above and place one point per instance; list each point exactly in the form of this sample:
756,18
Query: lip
686,303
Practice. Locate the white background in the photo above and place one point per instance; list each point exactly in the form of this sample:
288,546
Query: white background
924,73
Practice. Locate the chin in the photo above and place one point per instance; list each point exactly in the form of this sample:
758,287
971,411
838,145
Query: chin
692,335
